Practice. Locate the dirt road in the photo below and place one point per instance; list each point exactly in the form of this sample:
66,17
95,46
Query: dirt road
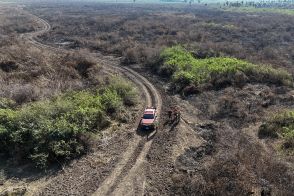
127,176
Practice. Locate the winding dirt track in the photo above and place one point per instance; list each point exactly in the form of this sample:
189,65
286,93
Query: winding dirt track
128,176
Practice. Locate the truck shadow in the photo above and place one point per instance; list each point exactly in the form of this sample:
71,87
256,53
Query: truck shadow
149,134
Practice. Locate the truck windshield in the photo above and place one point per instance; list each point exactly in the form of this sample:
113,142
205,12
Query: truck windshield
148,116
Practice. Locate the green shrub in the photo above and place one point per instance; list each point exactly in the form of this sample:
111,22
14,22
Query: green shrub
125,90
280,126
254,9
6,103
48,131
185,70
111,101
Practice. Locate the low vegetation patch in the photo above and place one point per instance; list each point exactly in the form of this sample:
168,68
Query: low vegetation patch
256,10
47,131
185,70
6,103
280,126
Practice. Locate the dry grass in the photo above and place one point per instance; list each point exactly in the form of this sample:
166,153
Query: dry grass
29,74
13,22
134,31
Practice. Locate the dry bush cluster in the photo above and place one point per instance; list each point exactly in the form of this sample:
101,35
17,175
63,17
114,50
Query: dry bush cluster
13,22
137,32
235,170
28,74
232,160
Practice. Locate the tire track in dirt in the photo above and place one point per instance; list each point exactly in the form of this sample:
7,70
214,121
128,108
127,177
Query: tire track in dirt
131,163
133,181
132,166
136,146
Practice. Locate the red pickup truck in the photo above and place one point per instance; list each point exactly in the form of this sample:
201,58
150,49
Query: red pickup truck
149,119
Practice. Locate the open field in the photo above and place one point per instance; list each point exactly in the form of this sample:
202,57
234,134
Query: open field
263,38
75,78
